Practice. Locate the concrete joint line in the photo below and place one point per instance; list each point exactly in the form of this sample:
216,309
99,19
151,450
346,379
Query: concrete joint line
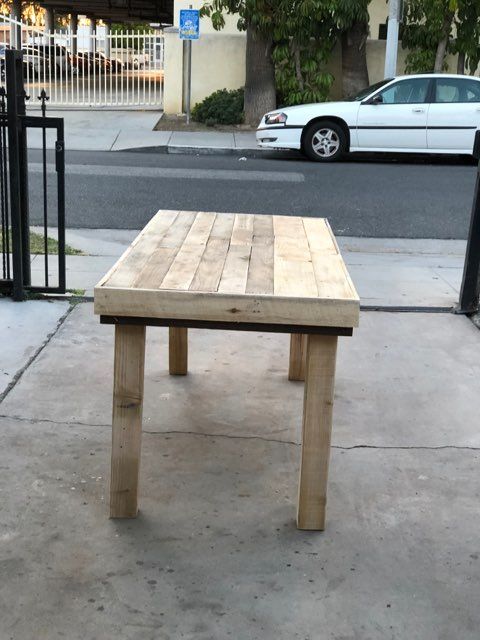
116,138
32,359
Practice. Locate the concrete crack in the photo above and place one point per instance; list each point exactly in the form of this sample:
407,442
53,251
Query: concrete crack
240,437
32,359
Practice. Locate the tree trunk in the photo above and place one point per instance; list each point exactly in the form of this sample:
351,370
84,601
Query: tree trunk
354,59
260,94
461,63
442,45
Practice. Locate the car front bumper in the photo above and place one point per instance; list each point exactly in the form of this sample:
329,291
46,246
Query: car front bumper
279,137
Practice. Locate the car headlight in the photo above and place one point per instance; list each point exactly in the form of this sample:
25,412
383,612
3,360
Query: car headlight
276,118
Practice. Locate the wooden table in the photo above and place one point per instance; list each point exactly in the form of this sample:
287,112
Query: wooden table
229,271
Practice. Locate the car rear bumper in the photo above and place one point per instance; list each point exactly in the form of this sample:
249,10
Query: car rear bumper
279,137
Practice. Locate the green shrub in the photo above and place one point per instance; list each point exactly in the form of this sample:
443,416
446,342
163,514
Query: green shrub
221,107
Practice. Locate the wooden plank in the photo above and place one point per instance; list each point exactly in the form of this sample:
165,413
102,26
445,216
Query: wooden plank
263,228
260,272
293,269
184,266
298,356
317,429
209,272
235,271
223,225
127,420
154,270
126,270
242,233
331,276
347,274
223,307
179,229
288,226
294,278
200,229
319,235
178,351
210,269
182,270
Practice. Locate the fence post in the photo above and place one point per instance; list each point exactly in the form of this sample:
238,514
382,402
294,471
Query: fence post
14,81
470,290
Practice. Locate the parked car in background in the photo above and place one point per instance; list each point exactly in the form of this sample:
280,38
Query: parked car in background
47,59
28,70
429,113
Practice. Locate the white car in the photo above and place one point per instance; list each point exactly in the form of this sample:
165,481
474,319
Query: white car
428,113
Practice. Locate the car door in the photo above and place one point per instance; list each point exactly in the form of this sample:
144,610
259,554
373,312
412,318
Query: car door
395,117
454,114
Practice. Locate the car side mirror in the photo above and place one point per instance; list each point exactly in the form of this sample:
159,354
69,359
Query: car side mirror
376,99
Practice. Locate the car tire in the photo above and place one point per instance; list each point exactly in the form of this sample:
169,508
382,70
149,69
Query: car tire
324,141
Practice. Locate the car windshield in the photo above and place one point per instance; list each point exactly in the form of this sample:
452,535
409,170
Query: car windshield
366,92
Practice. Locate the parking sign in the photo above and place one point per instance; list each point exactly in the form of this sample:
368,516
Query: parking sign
189,24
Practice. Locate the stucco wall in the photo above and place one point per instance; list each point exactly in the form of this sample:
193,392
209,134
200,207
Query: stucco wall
218,62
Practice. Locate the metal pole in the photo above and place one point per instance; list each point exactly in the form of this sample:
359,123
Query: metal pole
188,74
470,290
391,49
11,58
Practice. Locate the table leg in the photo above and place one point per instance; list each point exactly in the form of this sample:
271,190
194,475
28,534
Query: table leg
317,428
178,351
127,419
298,356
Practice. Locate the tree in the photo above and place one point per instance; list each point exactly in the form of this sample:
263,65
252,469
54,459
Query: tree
430,29
352,23
466,44
256,17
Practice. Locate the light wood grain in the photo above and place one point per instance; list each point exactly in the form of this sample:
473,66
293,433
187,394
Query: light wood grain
298,357
235,271
317,429
319,236
127,420
197,305
284,268
178,351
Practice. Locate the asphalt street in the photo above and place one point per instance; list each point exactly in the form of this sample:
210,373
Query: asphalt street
369,197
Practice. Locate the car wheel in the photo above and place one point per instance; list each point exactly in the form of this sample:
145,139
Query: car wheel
324,142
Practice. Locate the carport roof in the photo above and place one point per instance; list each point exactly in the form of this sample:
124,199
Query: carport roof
118,10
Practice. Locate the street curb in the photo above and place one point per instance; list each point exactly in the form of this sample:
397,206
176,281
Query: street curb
203,151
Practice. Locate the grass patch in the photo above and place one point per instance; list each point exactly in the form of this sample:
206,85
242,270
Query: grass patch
37,245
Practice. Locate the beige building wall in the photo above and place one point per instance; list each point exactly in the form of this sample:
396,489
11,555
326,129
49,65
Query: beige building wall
378,11
218,59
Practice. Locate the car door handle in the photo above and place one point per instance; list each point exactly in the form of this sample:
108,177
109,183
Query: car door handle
418,110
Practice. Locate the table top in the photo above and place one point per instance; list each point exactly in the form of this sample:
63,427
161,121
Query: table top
223,267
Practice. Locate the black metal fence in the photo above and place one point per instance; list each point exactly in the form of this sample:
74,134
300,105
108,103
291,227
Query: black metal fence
16,273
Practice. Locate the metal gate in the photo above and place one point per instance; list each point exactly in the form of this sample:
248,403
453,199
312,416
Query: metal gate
15,236
82,69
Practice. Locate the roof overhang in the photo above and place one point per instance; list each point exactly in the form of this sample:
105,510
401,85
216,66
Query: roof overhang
118,10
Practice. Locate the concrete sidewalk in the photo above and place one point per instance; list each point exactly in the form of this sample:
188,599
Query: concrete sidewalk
133,130
214,552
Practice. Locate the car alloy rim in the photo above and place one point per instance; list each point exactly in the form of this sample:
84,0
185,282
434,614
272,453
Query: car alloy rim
325,142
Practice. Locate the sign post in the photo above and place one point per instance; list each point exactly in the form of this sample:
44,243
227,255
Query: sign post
189,30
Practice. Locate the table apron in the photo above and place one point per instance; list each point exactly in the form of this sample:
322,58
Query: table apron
227,326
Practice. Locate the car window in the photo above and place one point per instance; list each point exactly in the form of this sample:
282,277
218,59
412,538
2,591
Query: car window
457,90
412,91
357,97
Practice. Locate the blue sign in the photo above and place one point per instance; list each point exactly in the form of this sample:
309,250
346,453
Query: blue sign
189,24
